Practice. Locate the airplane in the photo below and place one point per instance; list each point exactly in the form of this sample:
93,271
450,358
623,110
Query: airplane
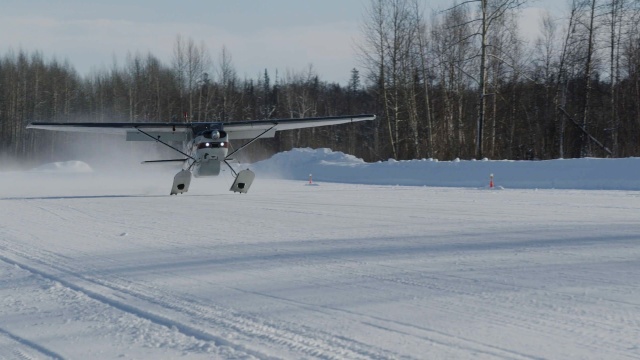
205,144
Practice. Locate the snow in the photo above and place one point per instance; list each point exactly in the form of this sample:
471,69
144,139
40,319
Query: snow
395,259
65,166
587,173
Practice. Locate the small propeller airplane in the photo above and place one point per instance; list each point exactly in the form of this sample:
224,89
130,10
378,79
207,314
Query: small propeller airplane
205,144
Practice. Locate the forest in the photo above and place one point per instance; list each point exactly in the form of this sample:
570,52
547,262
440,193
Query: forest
458,83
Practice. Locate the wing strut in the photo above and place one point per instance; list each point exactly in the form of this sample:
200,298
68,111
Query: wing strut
164,143
252,140
235,174
244,178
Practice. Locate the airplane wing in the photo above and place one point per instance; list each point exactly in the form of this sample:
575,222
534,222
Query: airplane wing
251,129
163,131
185,131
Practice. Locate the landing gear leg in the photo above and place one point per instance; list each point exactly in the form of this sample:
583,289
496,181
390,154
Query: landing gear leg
244,178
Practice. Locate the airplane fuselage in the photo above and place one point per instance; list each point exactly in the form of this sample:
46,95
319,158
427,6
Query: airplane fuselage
208,149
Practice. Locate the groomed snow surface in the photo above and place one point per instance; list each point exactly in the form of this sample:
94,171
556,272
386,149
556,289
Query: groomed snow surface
106,265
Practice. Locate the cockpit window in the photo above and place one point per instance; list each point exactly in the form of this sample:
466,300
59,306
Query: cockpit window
214,134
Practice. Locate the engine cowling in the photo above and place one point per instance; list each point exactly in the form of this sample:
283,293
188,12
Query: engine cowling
214,134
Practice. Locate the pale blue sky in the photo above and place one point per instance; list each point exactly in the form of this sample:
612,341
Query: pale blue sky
273,34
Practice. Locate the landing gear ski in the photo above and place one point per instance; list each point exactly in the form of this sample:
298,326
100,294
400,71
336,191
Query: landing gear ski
243,181
181,182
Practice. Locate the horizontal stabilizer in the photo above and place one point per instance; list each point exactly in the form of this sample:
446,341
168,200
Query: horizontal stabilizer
163,161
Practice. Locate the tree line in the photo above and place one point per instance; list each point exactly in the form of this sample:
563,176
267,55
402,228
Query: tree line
463,82
458,83
192,88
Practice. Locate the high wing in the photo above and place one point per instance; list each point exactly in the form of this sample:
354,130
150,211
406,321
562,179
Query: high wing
132,130
140,131
253,128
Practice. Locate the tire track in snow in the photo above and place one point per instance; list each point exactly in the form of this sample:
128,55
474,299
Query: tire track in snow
428,334
389,325
510,313
301,341
431,335
317,345
112,300
558,324
29,344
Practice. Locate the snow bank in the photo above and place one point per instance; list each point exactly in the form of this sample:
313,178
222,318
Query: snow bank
331,166
334,166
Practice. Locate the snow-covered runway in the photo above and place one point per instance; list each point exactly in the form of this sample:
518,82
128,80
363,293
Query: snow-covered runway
113,269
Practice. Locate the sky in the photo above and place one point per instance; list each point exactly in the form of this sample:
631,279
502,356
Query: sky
275,35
